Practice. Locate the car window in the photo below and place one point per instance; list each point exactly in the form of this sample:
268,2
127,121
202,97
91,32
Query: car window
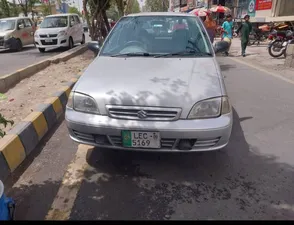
20,22
53,22
157,35
77,19
27,23
7,25
72,20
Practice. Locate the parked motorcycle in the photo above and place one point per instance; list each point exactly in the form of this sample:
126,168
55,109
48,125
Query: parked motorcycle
278,46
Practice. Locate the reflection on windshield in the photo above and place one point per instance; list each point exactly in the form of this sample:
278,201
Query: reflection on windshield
158,35
53,22
7,25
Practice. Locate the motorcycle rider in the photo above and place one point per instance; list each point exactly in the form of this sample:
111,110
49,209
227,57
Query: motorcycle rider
245,29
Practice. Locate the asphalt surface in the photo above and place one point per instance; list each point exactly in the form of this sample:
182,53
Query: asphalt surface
251,179
11,61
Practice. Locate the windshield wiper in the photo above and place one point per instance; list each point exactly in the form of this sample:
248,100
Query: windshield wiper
144,54
185,53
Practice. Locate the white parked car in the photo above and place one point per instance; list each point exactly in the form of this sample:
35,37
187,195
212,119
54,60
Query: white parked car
62,30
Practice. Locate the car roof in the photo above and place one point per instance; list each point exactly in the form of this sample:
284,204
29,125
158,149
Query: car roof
14,18
64,14
161,14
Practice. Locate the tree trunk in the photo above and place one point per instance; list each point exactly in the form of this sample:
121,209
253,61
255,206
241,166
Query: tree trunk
106,20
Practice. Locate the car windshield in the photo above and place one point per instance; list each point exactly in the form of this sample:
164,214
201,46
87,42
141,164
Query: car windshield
165,36
7,25
52,22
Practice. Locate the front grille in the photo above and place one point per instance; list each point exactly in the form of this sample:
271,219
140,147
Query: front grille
166,143
1,41
205,143
54,42
46,35
143,113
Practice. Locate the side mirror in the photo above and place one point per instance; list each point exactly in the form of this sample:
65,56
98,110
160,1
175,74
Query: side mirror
221,46
20,26
94,47
72,23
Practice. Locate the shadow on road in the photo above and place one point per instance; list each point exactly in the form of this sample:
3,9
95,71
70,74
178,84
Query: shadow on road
235,183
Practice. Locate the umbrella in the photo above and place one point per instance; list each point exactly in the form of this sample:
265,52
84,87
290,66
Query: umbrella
200,12
220,9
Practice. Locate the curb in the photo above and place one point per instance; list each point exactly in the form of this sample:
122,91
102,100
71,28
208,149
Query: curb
21,140
10,80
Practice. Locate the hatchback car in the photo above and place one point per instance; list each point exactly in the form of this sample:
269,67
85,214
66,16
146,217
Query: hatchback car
16,33
62,30
152,91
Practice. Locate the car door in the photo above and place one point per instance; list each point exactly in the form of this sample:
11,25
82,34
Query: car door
29,28
72,28
78,29
22,33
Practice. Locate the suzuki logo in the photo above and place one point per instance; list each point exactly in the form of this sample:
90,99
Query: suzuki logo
142,114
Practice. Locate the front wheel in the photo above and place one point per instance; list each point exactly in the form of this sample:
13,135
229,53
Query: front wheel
18,45
42,50
276,49
83,40
70,43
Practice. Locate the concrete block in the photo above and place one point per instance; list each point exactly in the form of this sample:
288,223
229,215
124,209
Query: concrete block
289,62
27,134
49,113
39,122
13,151
2,85
62,97
11,80
4,168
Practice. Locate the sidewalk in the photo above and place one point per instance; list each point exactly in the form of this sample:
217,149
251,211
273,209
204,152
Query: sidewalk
259,56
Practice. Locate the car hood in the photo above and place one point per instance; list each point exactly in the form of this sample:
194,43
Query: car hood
50,30
141,81
4,33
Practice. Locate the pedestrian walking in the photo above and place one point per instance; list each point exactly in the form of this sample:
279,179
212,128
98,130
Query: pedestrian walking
245,29
228,32
210,25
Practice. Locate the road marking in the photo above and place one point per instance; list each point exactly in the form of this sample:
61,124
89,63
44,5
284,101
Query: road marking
263,70
64,201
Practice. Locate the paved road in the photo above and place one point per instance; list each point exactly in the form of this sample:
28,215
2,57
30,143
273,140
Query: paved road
12,61
251,179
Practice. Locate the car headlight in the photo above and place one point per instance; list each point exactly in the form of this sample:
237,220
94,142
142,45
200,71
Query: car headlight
82,103
62,33
210,108
7,37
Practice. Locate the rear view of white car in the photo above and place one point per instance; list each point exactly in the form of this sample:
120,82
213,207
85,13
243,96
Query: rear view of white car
62,30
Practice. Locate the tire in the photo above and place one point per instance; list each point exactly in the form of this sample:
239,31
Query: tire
83,40
70,43
18,45
272,52
42,50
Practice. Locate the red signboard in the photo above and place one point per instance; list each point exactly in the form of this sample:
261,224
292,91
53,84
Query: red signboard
263,4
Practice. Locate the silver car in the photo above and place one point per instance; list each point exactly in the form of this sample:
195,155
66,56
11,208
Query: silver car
152,91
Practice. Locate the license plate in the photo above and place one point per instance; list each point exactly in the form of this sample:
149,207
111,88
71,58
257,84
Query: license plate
48,40
137,139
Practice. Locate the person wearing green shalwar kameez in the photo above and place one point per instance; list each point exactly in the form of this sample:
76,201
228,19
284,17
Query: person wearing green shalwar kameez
245,29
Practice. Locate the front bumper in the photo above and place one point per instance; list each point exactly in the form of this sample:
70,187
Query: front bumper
56,42
7,44
105,132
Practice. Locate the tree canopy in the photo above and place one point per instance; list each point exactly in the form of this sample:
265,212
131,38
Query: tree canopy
75,10
156,5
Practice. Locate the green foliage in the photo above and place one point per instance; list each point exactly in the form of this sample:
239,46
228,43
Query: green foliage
73,9
46,9
156,5
4,9
4,123
133,7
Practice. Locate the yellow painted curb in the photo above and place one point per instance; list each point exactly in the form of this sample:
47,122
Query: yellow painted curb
39,122
67,90
55,102
13,150
74,80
